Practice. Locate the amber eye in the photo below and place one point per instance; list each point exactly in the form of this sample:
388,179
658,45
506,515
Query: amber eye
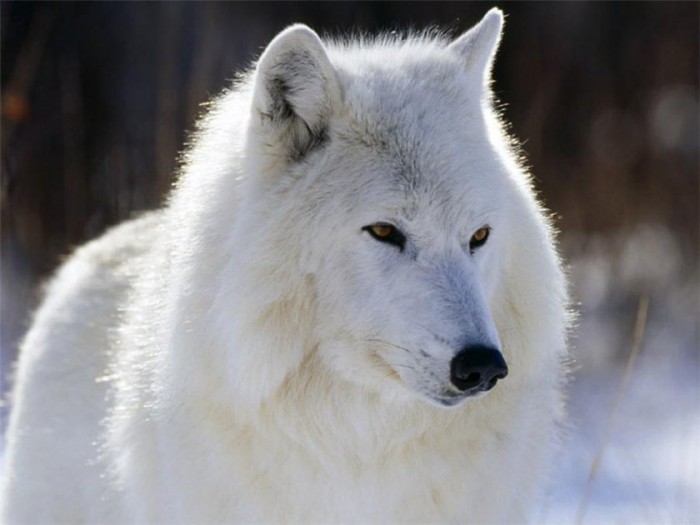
382,230
479,238
387,233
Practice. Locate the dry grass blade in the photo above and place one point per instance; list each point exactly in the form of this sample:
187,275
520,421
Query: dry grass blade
637,337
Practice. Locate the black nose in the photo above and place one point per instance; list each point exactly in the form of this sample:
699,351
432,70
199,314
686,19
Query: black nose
477,367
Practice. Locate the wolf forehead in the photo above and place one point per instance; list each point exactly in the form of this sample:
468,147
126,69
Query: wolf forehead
410,99
410,110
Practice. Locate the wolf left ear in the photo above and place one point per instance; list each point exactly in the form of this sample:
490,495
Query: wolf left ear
478,46
295,92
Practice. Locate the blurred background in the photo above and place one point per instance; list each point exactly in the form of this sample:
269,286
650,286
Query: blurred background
99,98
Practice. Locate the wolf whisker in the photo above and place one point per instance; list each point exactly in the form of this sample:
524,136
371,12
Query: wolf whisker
389,343
437,337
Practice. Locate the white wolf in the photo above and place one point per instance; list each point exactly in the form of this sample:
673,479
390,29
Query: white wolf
307,331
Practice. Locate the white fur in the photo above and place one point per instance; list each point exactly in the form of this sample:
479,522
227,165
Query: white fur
250,354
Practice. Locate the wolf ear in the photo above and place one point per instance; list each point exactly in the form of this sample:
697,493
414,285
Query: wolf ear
478,46
295,92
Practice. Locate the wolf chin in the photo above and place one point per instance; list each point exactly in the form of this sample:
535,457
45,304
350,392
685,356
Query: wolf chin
350,309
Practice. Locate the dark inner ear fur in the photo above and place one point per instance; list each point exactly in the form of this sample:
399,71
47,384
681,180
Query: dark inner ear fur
315,139
281,109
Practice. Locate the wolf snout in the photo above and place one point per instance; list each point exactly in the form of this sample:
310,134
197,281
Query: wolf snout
477,367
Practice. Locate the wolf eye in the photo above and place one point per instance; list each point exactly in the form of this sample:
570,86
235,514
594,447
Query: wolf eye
387,233
479,238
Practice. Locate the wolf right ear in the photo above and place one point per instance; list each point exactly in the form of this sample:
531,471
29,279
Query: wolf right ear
295,92
477,47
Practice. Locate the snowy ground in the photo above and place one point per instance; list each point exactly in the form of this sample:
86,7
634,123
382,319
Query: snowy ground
650,466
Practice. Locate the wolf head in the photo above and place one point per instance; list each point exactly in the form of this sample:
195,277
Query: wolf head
376,216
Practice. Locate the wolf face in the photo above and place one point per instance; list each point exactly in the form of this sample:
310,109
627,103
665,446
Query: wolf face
399,190
408,287
409,267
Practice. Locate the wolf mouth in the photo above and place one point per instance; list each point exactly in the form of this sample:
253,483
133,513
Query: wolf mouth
449,399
